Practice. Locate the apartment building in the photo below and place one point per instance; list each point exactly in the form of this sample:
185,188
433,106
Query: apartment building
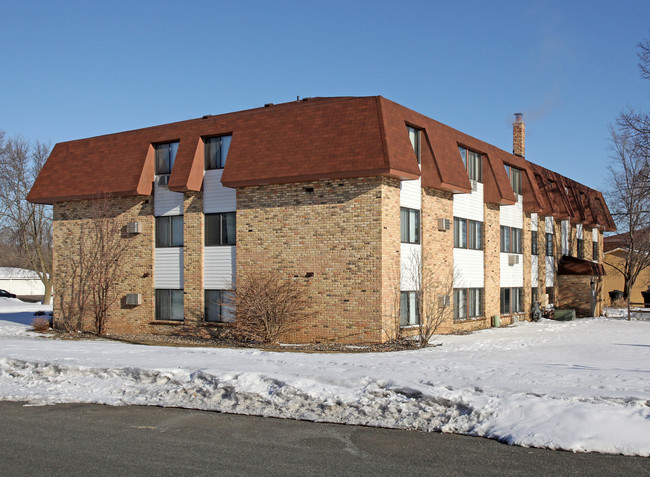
346,196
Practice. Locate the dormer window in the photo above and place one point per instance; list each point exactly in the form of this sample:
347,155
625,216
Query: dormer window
165,155
216,151
515,179
414,136
473,162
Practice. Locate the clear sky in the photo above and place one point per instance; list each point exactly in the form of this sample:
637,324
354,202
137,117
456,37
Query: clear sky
75,69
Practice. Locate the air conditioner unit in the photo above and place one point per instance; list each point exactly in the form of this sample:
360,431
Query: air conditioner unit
133,228
133,299
444,224
443,301
474,185
163,180
513,259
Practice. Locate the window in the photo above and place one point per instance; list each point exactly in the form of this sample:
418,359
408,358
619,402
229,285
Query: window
473,162
169,305
581,248
511,241
414,136
595,257
216,151
534,295
550,291
512,300
219,306
549,245
220,229
169,231
410,225
468,303
515,179
409,313
165,155
468,234
533,242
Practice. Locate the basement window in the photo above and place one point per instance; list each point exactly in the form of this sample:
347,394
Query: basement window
414,136
165,156
468,303
409,310
512,300
216,151
219,306
169,305
220,229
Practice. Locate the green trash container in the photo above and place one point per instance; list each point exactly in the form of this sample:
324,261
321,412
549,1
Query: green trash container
564,315
496,321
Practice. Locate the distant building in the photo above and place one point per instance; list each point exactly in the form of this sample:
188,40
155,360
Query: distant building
614,248
341,193
23,283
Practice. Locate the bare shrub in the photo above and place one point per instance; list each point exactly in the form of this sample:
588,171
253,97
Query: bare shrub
41,324
269,306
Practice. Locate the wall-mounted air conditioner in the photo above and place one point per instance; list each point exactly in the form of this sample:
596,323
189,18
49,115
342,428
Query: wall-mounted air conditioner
133,299
444,224
133,228
513,259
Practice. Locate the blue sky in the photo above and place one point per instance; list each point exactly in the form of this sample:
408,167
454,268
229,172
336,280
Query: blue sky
77,69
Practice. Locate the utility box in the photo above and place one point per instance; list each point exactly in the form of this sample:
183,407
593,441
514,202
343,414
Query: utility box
496,321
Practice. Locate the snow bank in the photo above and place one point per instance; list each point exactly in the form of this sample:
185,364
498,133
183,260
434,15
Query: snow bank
580,386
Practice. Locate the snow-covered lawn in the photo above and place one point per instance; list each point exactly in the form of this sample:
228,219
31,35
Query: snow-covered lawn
582,385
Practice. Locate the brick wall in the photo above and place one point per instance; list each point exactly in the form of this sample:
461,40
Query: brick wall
335,231
70,219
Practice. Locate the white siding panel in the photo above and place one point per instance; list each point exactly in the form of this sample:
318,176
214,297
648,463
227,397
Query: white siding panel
550,269
216,197
410,254
548,225
579,231
168,267
511,275
594,235
513,215
468,268
411,194
469,206
534,221
166,202
219,267
534,270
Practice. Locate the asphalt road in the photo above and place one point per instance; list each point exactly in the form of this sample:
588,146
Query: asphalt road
81,439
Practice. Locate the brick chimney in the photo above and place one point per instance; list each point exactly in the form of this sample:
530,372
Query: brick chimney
519,135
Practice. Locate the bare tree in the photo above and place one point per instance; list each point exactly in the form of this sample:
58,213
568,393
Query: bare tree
629,192
31,224
92,270
269,306
433,290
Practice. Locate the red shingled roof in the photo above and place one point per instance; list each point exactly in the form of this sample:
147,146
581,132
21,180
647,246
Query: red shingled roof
312,139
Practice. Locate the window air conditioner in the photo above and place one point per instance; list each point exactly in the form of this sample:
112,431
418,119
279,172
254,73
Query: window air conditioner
134,298
163,180
133,228
513,259
444,224
474,185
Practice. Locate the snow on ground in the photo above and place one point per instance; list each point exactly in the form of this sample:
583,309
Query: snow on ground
581,385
